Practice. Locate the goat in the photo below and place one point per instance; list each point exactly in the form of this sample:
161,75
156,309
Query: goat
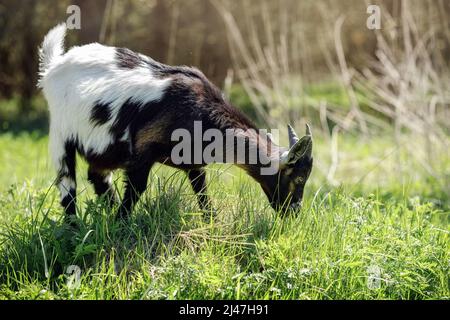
118,108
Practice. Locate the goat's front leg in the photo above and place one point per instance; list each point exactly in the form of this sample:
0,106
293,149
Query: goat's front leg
135,185
102,182
63,154
197,178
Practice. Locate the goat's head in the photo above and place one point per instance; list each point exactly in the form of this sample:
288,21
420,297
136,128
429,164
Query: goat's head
285,189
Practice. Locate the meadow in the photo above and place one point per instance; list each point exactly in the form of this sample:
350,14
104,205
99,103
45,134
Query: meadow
375,217
382,233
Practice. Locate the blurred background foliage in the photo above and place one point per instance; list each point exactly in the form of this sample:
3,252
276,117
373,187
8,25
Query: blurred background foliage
200,33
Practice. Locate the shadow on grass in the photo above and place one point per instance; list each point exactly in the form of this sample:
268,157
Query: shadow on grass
41,249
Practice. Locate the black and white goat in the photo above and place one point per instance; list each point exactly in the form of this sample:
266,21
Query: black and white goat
118,109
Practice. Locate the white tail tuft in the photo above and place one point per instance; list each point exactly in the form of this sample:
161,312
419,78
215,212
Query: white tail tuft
51,48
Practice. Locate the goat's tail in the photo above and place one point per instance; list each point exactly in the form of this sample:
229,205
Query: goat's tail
51,48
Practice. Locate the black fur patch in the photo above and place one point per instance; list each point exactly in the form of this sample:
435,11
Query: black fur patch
98,180
101,113
69,202
127,59
164,70
68,160
115,156
127,114
132,116
135,115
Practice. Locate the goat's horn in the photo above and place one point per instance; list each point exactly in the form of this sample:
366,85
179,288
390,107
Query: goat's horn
293,139
308,130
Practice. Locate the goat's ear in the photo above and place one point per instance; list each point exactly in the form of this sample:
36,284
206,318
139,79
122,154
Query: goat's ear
302,149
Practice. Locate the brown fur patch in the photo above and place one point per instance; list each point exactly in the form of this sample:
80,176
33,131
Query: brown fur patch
195,84
153,132
198,88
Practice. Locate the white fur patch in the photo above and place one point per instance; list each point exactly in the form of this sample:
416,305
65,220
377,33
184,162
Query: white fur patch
83,77
65,186
108,179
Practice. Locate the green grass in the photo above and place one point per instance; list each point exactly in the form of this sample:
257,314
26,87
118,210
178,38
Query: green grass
380,218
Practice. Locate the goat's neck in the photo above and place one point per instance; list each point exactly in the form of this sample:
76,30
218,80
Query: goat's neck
265,169
254,140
